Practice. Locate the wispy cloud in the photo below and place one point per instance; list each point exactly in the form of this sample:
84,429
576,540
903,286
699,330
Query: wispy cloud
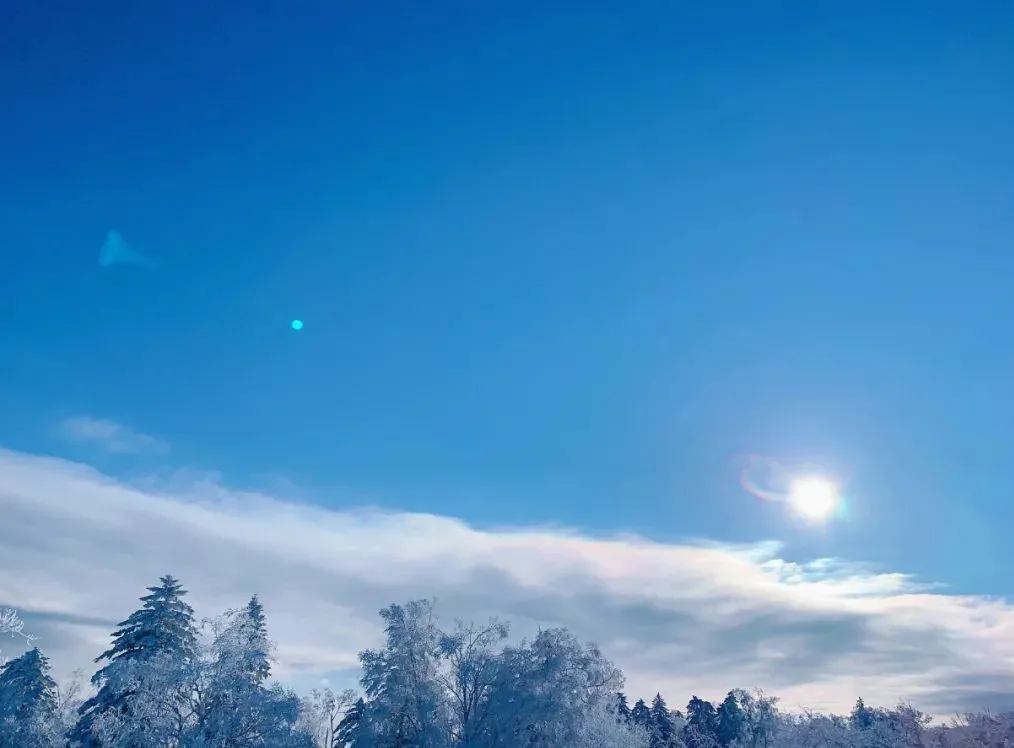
114,437
77,548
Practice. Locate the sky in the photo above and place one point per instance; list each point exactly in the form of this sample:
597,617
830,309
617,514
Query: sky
562,269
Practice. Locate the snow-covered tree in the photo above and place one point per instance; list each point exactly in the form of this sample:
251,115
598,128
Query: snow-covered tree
150,705
13,626
162,686
662,727
978,731
640,714
29,704
429,689
243,645
347,731
623,712
233,707
145,684
729,725
471,664
702,722
321,714
760,717
600,729
404,705
69,697
862,716
546,689
812,730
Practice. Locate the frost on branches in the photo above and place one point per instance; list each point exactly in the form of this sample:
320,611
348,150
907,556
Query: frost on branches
163,686
434,689
12,626
168,682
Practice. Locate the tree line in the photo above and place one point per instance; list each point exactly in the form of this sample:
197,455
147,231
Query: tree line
169,681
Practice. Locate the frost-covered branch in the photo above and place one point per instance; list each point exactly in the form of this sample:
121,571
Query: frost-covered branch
12,625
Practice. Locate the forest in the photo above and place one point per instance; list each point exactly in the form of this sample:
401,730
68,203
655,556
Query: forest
169,680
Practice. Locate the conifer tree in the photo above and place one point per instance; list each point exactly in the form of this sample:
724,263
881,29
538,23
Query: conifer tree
236,708
730,720
241,648
405,704
701,718
862,717
640,714
661,723
258,646
28,702
623,713
347,730
161,629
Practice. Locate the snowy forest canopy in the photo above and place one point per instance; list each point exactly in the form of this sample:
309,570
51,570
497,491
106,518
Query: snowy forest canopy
168,681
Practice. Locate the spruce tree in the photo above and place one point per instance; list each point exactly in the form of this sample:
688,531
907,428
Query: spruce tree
346,732
258,646
28,702
162,628
241,647
236,708
661,723
640,714
862,717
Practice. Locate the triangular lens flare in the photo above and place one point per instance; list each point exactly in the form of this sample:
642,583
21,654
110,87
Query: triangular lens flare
116,251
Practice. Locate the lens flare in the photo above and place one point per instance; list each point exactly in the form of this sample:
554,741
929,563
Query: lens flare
115,251
810,495
297,324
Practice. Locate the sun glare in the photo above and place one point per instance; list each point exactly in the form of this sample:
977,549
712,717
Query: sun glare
813,497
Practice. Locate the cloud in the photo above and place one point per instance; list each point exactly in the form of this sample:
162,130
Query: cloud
77,549
114,437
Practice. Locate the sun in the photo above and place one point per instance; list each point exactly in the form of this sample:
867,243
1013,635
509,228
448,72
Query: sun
813,497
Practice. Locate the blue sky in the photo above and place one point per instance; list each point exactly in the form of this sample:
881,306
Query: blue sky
556,265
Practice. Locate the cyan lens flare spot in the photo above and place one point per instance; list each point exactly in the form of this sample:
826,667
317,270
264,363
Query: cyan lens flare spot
297,324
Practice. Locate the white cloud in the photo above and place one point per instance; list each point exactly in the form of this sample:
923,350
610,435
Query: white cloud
77,549
114,437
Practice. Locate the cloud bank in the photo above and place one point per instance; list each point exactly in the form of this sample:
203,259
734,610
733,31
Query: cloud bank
77,549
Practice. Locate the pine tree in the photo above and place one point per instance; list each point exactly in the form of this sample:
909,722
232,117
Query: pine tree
28,702
161,629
